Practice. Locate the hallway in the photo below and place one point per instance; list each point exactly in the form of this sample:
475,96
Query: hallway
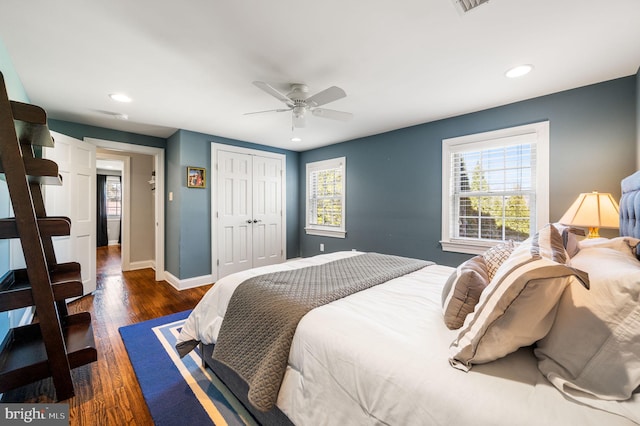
108,261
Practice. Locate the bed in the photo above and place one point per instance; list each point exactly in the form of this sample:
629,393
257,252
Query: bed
386,354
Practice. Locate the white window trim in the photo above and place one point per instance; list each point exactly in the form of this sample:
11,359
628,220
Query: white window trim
541,132
320,230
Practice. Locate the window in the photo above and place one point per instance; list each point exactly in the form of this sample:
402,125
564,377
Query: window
495,187
326,183
114,196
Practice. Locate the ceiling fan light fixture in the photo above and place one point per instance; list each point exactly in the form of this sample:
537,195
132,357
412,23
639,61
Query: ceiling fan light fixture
519,71
298,112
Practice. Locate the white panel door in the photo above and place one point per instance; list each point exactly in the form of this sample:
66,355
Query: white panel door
248,212
267,211
235,221
75,199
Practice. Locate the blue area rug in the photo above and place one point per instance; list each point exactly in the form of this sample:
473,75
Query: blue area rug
178,391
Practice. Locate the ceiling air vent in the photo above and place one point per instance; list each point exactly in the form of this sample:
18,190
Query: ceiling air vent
467,5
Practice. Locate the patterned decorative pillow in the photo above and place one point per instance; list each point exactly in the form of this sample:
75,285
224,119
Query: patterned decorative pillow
496,256
462,291
518,307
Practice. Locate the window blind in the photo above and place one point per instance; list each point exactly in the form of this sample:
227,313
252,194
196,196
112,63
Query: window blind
494,189
326,197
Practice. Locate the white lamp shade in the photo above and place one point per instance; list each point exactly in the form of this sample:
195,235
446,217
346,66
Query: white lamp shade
594,209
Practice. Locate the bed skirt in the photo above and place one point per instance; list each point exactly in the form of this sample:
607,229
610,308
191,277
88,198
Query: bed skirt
240,390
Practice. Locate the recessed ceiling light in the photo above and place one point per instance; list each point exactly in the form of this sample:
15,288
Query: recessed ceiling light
296,139
519,71
120,97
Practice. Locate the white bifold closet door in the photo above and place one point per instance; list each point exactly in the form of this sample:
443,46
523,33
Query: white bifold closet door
249,211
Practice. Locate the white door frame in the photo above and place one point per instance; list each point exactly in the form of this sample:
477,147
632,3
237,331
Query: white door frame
158,155
215,147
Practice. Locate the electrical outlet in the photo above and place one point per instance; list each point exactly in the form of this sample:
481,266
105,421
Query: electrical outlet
321,247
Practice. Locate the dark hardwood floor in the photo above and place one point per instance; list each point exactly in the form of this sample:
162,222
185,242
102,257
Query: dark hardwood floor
107,391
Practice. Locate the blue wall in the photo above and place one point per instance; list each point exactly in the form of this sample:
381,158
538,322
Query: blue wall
172,209
16,92
187,218
81,131
394,179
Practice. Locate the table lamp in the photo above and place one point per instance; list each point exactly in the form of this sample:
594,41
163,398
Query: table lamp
593,210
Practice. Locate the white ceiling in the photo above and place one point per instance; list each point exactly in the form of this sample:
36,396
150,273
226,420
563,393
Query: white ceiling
189,64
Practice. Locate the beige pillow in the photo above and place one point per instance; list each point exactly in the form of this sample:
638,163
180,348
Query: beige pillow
462,291
594,344
518,306
496,255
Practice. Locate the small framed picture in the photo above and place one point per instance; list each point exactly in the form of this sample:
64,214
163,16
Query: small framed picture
196,177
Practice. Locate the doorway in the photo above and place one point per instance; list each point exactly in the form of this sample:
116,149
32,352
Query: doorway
110,169
152,184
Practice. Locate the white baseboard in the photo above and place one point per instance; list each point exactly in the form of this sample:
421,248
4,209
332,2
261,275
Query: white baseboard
143,264
179,284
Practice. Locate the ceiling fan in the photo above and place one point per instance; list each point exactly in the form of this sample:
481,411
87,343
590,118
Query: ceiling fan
298,102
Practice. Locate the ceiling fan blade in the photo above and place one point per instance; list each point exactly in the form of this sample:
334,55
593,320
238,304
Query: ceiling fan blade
332,114
269,110
331,94
273,92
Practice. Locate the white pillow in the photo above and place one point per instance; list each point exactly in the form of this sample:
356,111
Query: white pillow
623,244
594,344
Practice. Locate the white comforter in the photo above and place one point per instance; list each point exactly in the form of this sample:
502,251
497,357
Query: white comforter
380,356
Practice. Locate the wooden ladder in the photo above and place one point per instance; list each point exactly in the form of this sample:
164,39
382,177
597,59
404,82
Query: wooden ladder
56,342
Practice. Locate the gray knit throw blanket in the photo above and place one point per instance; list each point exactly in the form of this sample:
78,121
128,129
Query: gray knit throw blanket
264,311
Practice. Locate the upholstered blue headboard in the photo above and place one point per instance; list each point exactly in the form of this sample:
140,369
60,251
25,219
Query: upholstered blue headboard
630,206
